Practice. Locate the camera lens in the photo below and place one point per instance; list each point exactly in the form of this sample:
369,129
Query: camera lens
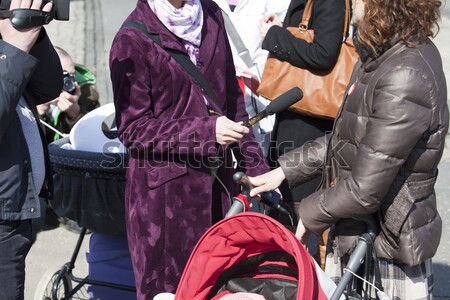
69,83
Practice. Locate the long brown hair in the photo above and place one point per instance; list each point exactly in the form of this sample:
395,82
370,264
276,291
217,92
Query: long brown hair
412,21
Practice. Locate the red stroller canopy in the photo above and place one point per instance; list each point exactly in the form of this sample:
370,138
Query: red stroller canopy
236,239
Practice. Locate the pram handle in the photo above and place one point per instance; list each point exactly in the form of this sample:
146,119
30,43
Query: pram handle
371,223
365,243
242,202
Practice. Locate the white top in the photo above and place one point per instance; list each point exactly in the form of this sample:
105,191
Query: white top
246,18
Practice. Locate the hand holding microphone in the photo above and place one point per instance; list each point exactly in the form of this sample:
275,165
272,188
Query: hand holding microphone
228,131
279,104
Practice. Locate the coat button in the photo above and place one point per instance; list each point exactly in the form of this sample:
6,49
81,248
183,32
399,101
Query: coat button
275,48
32,210
2,56
25,162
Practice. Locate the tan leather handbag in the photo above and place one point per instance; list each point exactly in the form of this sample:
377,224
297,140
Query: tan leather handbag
323,91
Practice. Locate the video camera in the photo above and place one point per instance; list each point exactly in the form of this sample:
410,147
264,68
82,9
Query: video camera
23,18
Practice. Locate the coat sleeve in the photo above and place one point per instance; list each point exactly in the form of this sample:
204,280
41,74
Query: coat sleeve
328,25
304,163
401,115
140,129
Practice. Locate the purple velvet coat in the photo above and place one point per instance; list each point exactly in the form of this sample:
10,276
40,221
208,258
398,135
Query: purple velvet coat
162,119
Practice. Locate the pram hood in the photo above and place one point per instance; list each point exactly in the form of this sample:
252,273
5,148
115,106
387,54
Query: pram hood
236,239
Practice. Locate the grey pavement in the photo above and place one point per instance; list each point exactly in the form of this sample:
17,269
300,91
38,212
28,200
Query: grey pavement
87,37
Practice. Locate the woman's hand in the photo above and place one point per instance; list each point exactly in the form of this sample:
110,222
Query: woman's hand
268,21
228,132
302,233
267,182
22,39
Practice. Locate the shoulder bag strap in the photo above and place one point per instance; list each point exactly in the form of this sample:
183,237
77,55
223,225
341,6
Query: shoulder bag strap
306,15
304,25
180,57
237,40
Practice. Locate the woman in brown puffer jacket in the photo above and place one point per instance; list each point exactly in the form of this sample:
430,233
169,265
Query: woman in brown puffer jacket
381,158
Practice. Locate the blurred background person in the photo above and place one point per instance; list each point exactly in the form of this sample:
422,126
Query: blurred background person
242,19
78,97
291,129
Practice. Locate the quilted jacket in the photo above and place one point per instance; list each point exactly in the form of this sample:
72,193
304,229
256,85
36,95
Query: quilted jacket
381,158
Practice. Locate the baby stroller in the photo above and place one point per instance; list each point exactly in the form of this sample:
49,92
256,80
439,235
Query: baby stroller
254,253
89,188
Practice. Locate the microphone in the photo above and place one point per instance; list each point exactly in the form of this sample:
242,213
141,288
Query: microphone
279,104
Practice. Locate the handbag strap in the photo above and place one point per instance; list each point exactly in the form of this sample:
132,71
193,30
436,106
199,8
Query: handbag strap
308,12
237,40
180,57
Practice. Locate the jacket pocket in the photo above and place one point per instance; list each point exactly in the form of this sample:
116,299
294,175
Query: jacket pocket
162,172
398,212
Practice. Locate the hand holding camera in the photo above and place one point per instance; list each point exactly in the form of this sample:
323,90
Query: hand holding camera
68,99
24,16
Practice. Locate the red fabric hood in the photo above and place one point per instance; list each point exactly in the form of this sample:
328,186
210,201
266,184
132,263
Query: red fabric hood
235,239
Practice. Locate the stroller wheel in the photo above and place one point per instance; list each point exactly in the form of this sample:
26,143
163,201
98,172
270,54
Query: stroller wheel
58,281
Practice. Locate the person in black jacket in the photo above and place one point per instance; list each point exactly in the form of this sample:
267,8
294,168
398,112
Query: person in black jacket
291,129
30,73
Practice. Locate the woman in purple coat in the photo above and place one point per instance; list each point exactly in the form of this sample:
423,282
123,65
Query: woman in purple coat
164,118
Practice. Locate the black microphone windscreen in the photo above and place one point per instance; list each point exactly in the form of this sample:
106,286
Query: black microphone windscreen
285,100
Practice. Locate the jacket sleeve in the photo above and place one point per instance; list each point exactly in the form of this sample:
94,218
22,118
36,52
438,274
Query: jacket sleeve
47,80
304,163
401,115
38,71
16,68
140,129
328,25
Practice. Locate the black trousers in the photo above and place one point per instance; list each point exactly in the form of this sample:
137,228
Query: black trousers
15,242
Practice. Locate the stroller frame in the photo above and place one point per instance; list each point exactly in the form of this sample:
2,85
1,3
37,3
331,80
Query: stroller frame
62,279
92,203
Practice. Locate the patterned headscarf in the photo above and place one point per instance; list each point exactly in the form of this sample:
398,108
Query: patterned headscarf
185,22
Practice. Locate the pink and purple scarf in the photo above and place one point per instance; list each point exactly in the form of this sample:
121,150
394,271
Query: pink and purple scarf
185,22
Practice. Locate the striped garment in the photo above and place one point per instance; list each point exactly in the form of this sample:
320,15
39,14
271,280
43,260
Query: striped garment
400,281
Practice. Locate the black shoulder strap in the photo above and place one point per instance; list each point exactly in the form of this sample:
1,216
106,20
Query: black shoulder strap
180,57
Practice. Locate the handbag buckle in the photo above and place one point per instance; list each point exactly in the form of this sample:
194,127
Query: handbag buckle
303,27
